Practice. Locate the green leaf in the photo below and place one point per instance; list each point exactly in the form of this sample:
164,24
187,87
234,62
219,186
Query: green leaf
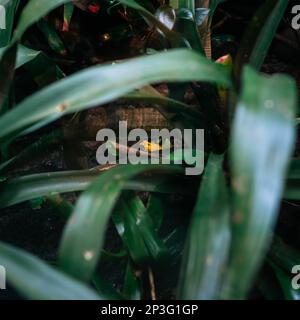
10,11
51,35
208,241
129,233
294,171
7,66
131,288
292,188
284,256
166,106
82,90
84,234
33,12
44,70
187,4
175,40
25,188
186,25
259,35
34,149
155,210
145,225
34,279
24,55
262,142
68,14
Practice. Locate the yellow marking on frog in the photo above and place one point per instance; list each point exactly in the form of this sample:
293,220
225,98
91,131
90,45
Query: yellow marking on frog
150,146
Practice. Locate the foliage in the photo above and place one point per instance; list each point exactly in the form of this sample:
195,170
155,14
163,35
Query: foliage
245,178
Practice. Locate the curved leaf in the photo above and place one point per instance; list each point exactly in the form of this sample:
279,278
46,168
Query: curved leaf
259,35
34,279
98,85
207,246
38,185
33,12
262,139
24,55
84,234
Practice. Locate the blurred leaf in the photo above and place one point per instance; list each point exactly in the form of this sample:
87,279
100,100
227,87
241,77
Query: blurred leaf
283,255
44,71
187,27
294,171
33,12
105,289
129,232
155,210
201,15
146,227
7,66
268,285
34,279
174,38
68,14
166,15
266,116
82,90
292,188
24,55
208,241
10,11
259,35
188,4
131,288
63,208
25,188
52,37
34,149
79,249
168,105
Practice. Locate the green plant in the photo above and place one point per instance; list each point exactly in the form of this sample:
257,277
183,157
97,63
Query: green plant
241,189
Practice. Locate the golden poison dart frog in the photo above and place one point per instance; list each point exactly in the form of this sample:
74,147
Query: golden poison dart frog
152,146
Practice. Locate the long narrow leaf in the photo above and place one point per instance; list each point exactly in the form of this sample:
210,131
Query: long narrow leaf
208,241
83,89
38,185
34,279
262,139
259,35
84,234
